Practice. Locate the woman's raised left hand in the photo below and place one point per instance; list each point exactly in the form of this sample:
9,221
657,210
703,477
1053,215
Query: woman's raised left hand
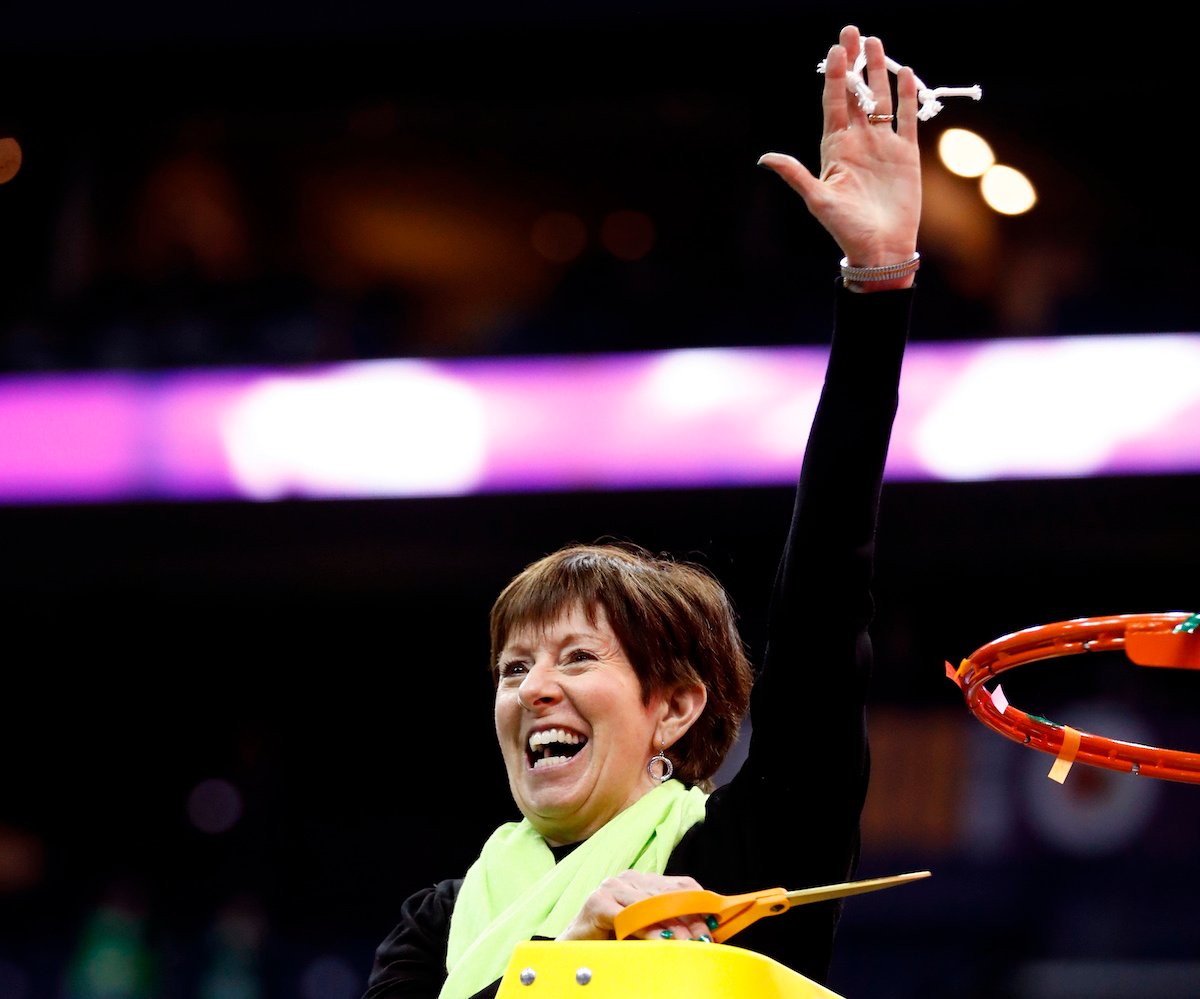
595,920
868,193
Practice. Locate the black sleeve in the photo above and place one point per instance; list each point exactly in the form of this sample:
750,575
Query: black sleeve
790,817
411,962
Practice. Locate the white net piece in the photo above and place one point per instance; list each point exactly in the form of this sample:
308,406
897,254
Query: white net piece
930,105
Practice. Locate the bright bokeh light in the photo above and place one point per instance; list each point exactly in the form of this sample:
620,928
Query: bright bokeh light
388,427
965,153
689,383
1062,408
1007,190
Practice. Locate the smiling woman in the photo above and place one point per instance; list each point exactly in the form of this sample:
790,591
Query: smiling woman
621,678
574,748
672,620
606,692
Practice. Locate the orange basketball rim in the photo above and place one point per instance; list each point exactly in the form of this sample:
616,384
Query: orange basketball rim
1169,640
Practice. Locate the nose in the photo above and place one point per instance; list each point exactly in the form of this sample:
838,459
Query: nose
540,688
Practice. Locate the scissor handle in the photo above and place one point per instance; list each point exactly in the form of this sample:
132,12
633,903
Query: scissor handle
733,912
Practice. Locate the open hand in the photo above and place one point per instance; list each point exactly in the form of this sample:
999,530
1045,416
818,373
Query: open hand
868,195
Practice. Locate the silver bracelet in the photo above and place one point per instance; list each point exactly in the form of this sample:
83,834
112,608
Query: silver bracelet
887,272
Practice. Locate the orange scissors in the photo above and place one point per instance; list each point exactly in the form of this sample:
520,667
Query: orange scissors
734,913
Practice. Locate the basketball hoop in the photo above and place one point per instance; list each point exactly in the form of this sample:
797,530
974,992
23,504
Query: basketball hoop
1170,640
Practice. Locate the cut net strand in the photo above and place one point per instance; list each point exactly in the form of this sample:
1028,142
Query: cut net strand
930,105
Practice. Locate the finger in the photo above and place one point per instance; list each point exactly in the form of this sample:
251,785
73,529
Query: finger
877,75
634,886
834,96
671,929
906,91
602,912
797,176
693,927
851,40
622,895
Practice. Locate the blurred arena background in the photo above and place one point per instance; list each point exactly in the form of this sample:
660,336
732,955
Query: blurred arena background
237,734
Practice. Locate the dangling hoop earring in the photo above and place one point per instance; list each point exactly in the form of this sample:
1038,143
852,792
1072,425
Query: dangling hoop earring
668,767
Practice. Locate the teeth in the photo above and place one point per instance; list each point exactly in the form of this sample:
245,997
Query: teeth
550,761
559,735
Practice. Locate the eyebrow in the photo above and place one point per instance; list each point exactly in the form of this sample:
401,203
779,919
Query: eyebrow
571,638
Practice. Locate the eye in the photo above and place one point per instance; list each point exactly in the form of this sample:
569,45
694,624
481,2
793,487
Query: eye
514,667
580,656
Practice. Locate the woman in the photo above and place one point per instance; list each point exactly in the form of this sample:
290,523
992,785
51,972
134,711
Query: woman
615,670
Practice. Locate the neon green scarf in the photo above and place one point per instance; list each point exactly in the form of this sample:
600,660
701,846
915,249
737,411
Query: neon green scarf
514,891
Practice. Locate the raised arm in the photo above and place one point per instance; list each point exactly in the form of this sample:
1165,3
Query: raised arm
808,751
868,197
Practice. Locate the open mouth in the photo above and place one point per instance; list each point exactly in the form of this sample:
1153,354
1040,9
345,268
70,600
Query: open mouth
553,747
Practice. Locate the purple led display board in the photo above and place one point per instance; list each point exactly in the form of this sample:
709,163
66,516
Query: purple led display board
1066,407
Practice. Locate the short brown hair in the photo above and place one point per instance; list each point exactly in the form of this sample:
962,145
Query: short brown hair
673,619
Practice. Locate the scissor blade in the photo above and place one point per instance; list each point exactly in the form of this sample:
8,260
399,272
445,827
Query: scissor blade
803,896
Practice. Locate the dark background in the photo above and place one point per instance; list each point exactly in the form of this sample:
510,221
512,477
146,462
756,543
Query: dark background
254,184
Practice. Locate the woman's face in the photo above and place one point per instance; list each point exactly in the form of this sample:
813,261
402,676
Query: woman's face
576,752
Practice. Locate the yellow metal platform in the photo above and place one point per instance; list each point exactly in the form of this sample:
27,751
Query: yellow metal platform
649,969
